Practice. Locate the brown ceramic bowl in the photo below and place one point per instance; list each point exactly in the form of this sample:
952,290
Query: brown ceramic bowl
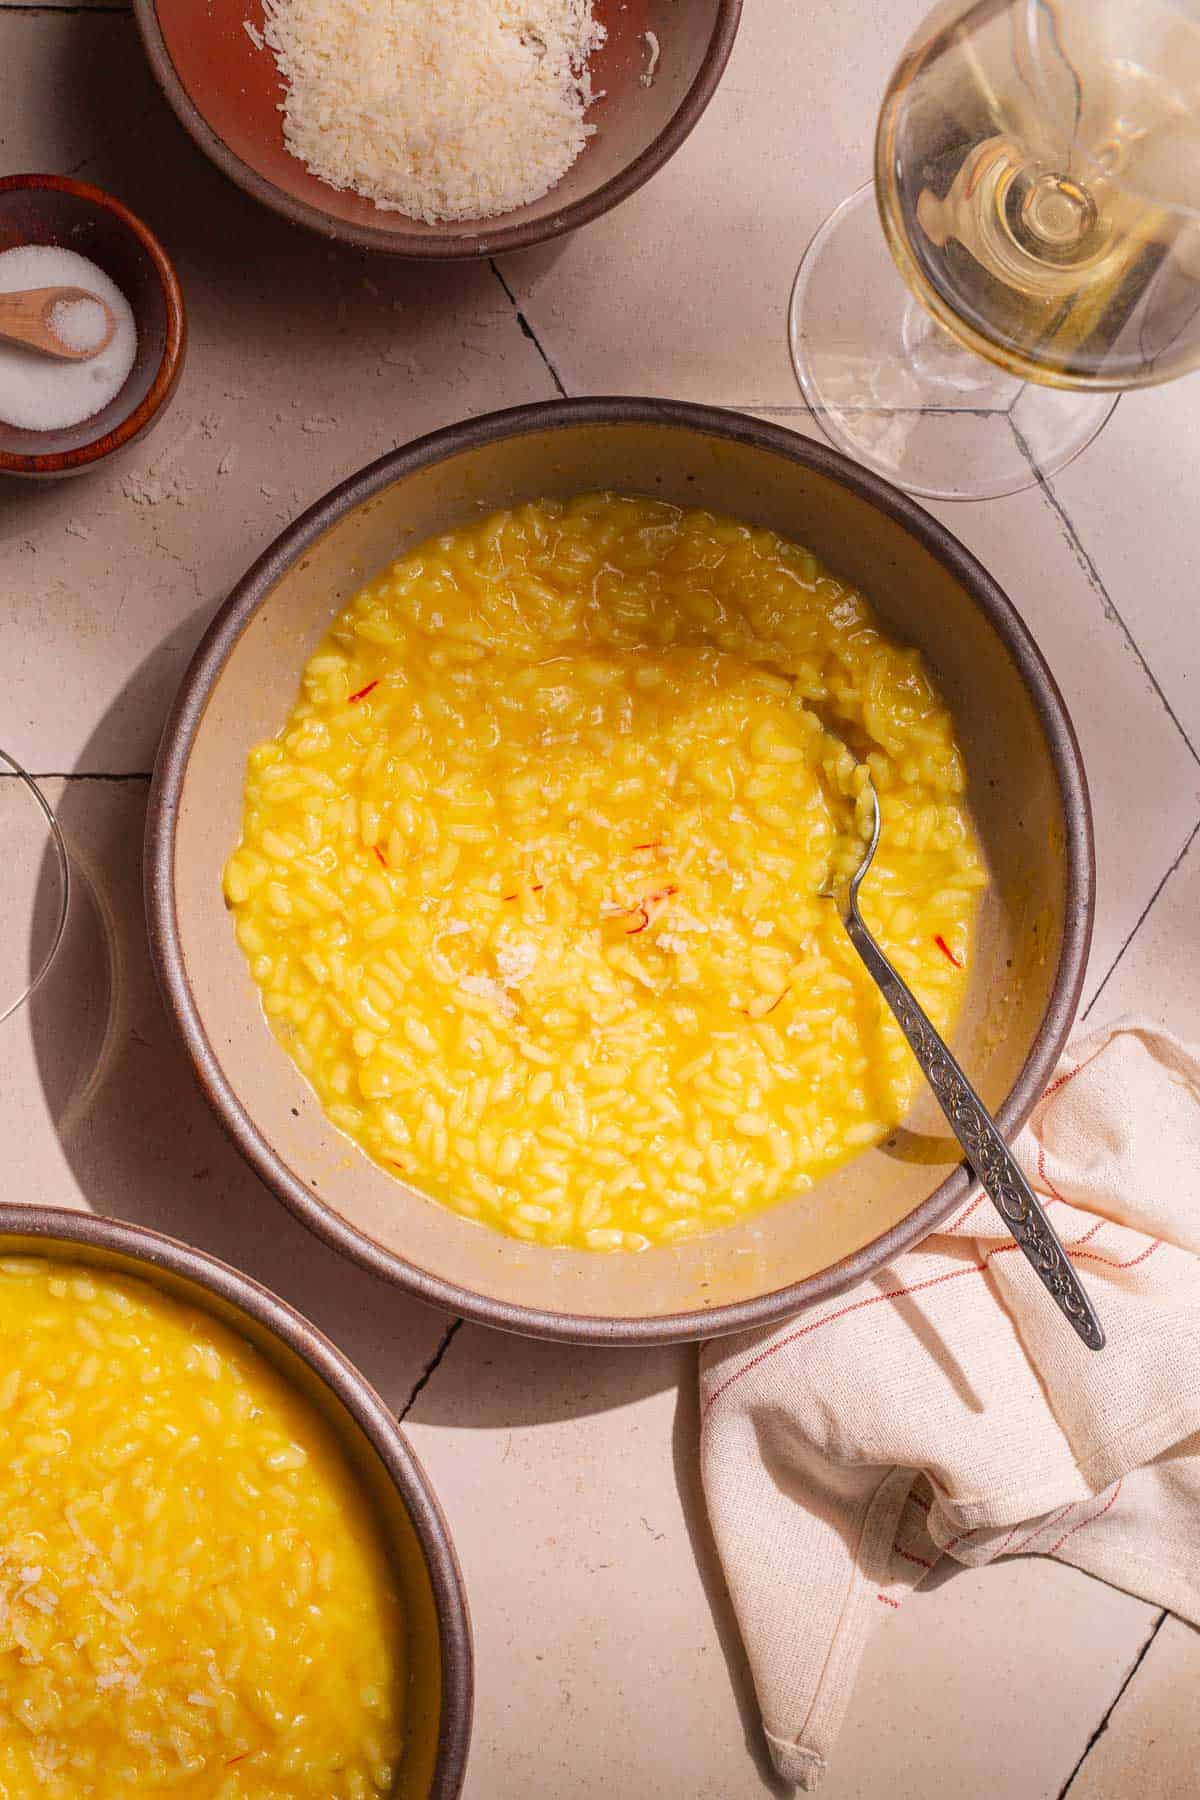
423,1559
1028,794
51,209
226,93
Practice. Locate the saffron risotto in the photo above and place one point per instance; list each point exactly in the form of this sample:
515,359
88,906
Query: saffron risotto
194,1598
530,878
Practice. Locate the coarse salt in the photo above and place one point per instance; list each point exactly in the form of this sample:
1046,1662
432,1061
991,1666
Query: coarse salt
79,324
38,393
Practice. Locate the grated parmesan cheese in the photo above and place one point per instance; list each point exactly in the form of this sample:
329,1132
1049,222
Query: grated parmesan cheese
516,962
460,110
486,987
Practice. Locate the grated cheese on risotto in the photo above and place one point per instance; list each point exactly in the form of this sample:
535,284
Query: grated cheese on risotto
531,878
462,109
194,1598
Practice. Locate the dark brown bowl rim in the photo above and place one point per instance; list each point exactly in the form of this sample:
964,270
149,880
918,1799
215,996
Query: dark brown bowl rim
170,366
486,237
351,1387
231,620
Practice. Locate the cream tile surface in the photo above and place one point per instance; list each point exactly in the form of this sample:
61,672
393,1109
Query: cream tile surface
608,1662
1152,1744
601,1667
100,1111
1159,972
684,289
304,362
608,1658
1132,498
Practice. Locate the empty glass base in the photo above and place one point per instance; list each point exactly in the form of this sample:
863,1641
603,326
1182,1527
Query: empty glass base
893,389
34,885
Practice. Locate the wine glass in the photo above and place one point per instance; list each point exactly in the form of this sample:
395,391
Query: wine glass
35,885
1037,178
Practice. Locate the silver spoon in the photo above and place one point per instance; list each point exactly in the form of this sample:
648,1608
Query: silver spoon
995,1166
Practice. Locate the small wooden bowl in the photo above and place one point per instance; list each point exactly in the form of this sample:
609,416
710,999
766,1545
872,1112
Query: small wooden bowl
226,92
50,209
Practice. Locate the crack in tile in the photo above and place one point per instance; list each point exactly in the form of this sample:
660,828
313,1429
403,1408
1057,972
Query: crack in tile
528,330
79,775
1142,917
1102,1727
428,1371
1092,574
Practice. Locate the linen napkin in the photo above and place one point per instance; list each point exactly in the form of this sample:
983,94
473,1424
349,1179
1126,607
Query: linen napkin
945,1408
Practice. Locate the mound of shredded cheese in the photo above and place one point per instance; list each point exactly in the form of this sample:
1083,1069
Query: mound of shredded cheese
459,109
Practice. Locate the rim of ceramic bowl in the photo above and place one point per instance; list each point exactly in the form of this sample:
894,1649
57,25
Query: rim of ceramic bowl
349,1386
205,669
480,237
170,365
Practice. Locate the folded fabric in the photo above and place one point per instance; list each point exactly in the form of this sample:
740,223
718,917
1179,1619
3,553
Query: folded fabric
945,1408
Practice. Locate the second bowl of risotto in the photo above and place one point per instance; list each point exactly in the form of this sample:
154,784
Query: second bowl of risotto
225,1572
502,796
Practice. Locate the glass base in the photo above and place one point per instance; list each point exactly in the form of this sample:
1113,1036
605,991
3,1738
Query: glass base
34,885
893,389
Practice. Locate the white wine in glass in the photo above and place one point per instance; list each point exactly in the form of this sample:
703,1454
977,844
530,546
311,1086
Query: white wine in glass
1037,175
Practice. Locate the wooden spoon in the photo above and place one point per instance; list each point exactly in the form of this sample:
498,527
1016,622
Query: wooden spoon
25,319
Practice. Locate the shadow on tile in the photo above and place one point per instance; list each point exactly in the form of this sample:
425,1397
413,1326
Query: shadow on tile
24,503
685,1448
132,1124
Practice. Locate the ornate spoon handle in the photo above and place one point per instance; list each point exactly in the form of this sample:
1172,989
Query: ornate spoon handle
994,1164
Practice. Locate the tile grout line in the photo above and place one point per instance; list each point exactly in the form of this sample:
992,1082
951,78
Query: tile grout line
1092,574
527,328
1142,917
431,1366
1102,1727
853,412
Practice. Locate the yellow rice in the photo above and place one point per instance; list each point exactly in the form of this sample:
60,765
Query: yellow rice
194,1598
529,879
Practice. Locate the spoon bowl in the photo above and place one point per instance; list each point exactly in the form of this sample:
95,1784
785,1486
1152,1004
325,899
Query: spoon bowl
31,318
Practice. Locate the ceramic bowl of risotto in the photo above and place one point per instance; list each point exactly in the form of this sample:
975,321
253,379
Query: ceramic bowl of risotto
652,77
485,857
224,1566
